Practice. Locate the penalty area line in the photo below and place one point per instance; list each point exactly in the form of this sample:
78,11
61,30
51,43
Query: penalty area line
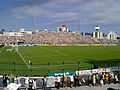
23,59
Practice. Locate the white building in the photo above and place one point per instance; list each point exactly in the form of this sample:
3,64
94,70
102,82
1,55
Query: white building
97,34
112,36
22,30
19,33
63,28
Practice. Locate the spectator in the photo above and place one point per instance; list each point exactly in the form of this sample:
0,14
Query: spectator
26,82
11,79
44,82
106,78
16,79
5,78
94,79
30,84
101,79
34,85
71,80
116,78
76,80
58,81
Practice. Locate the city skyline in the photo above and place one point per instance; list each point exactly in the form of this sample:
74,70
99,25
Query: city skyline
50,14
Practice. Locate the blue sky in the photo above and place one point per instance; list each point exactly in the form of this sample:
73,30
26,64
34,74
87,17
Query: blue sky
16,14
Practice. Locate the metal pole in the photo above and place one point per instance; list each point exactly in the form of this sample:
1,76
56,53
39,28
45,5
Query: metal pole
48,67
78,68
30,68
79,25
14,67
118,68
63,66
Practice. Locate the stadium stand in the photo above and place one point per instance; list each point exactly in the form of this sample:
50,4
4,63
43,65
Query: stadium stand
50,37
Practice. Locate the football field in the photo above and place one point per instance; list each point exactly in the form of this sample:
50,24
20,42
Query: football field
40,60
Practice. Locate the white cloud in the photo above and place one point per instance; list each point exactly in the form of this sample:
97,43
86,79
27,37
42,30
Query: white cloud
38,11
19,16
89,11
28,10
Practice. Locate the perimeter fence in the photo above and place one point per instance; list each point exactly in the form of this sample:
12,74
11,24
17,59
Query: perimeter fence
44,69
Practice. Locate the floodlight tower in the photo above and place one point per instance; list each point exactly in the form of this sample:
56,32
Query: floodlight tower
79,25
33,22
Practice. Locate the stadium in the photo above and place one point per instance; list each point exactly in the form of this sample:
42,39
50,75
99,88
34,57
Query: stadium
57,54
43,52
59,44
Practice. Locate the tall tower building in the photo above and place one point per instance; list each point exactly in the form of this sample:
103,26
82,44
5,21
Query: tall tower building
97,34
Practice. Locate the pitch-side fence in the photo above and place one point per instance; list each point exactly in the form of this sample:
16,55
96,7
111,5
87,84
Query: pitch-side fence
44,69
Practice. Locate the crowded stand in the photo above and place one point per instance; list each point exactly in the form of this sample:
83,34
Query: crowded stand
50,37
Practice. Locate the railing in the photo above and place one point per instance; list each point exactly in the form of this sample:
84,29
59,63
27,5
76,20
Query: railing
44,69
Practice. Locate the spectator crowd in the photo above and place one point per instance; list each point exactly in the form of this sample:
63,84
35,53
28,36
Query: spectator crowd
48,37
96,79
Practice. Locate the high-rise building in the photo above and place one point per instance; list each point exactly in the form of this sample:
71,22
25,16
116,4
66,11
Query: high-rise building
97,34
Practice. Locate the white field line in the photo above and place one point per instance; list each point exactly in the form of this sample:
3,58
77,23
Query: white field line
23,59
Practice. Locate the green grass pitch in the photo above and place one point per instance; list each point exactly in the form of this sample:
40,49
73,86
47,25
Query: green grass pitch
47,59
